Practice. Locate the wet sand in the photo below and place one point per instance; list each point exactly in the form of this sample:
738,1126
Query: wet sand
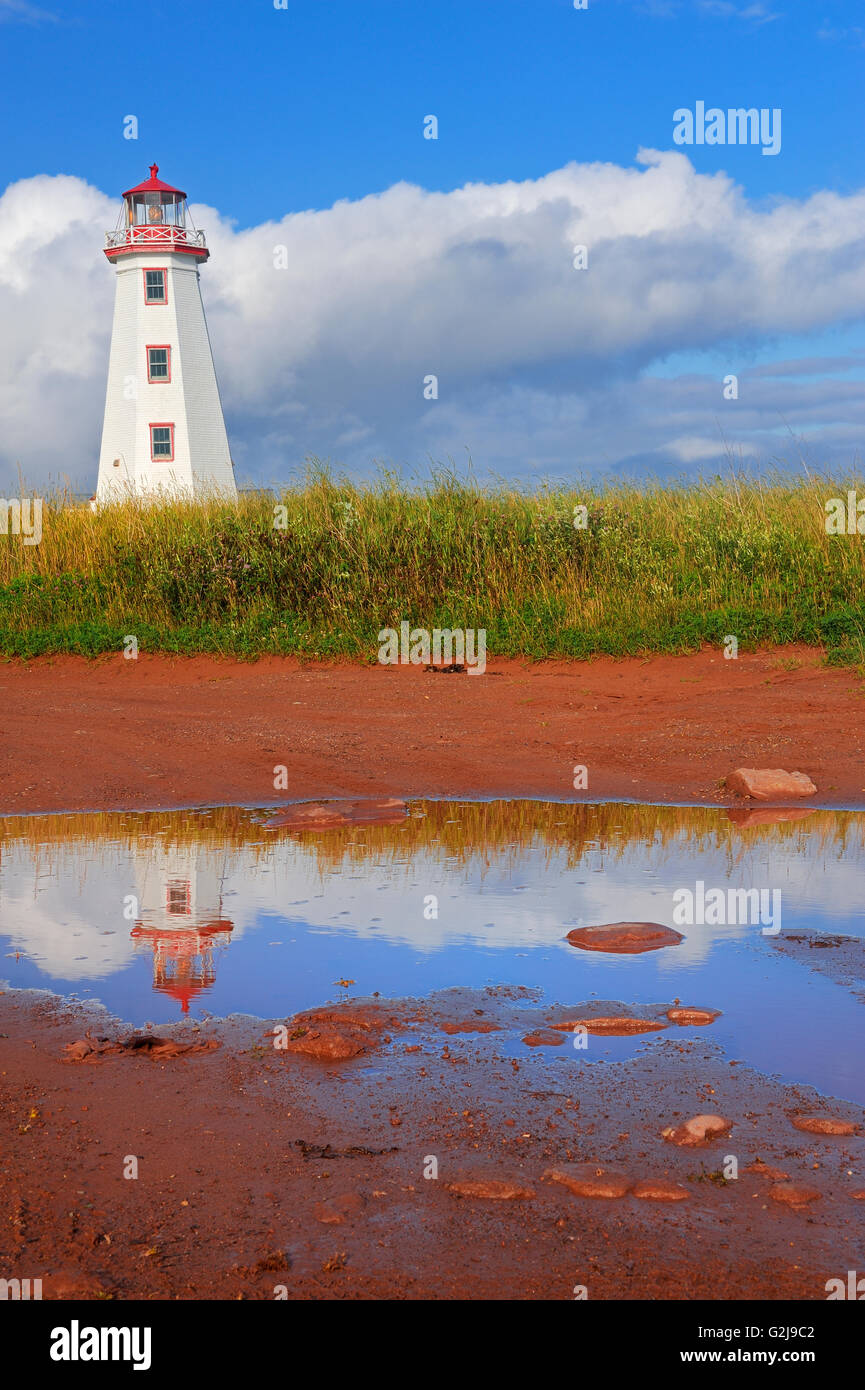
260,1168
165,732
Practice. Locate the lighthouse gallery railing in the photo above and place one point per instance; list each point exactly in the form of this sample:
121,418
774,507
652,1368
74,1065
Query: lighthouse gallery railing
158,236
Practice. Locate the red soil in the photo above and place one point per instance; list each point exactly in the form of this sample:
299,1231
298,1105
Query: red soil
306,1167
162,731
439,1169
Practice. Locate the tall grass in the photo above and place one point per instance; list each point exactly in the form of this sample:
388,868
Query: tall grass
660,568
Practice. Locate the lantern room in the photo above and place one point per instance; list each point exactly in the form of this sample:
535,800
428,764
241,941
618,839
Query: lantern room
154,216
154,203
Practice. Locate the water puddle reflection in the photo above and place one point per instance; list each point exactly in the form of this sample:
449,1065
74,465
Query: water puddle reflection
162,914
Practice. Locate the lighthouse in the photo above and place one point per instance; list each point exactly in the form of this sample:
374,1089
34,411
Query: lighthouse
163,434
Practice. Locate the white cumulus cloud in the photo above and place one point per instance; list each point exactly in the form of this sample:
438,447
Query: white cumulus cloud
541,367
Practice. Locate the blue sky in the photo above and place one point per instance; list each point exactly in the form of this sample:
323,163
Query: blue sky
266,111
262,114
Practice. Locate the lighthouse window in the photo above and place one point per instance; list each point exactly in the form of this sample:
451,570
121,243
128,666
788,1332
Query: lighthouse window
158,368
154,286
162,441
178,897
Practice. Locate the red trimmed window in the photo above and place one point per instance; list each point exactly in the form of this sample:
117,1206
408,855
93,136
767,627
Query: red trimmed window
155,286
178,897
159,364
162,443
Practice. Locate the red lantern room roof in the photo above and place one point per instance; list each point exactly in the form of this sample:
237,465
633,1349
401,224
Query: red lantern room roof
154,185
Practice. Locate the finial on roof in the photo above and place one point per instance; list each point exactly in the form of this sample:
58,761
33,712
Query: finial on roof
154,170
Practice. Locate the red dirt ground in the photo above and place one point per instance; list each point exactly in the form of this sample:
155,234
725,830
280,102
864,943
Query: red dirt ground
167,732
261,1169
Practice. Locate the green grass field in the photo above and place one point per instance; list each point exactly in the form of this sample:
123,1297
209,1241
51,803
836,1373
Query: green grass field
658,569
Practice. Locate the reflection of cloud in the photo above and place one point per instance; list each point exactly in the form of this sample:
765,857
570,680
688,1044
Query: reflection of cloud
60,921
499,897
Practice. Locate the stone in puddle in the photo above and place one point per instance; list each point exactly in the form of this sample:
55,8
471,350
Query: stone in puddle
492,1190
689,1018
624,938
660,1190
543,1037
327,1044
700,1129
769,783
794,1194
589,1179
824,1124
765,1170
612,1026
335,1210
333,1035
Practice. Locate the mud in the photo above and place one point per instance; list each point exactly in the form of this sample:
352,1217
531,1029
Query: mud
205,731
261,1167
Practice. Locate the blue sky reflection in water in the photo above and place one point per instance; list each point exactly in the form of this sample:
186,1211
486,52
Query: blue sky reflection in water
156,914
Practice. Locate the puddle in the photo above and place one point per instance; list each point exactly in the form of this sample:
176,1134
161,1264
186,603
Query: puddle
162,914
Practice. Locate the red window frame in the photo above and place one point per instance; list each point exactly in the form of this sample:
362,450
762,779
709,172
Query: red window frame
173,886
155,303
161,347
162,425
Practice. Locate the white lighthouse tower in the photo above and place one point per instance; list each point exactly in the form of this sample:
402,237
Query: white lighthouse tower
163,433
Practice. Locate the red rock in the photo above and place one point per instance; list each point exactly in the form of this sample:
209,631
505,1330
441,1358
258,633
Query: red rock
491,1190
589,1180
138,1044
660,1190
858,1196
824,1124
318,815
335,1210
327,1044
693,1018
700,1129
764,1170
794,1194
621,1026
769,783
366,1018
544,1037
624,938
334,1034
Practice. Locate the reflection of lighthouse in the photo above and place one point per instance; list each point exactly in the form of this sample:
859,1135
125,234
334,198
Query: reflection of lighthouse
180,918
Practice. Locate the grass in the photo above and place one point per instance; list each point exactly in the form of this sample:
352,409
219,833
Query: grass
660,568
